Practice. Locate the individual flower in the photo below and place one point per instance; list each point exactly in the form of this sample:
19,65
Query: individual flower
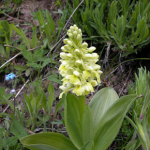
78,65
13,91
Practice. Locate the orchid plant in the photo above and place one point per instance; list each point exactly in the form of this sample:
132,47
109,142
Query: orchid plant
90,127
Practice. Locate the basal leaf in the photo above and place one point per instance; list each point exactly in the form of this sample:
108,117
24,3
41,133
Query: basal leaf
48,141
101,102
110,123
74,109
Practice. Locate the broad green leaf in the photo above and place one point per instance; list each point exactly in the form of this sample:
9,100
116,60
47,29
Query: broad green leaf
34,65
22,34
17,128
48,141
34,105
40,18
60,104
38,53
74,110
12,141
101,102
34,37
2,51
110,123
50,97
2,93
28,104
78,121
46,61
50,21
27,55
54,79
20,68
87,129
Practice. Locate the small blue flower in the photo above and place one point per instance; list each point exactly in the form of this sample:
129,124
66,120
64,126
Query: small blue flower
10,76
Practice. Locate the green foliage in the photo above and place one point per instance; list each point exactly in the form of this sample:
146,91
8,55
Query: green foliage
22,35
125,23
36,101
4,98
47,26
48,141
83,131
18,2
37,60
5,34
141,110
62,21
11,132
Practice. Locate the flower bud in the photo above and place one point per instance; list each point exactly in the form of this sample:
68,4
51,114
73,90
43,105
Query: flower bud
84,45
70,35
79,62
79,38
69,55
69,43
91,49
72,28
88,67
69,31
65,63
88,55
99,71
77,51
63,55
65,41
94,55
66,47
76,73
96,67
63,49
75,33
79,31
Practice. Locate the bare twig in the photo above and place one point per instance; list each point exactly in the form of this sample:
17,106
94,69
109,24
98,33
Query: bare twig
16,95
56,44
10,60
105,62
125,82
12,47
140,96
13,18
72,14
29,131
65,27
112,72
16,55
120,61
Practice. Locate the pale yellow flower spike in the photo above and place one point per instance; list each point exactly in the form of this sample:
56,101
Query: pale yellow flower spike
78,65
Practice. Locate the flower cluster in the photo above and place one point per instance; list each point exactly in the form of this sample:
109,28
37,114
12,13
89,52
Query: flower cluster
78,65
10,76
